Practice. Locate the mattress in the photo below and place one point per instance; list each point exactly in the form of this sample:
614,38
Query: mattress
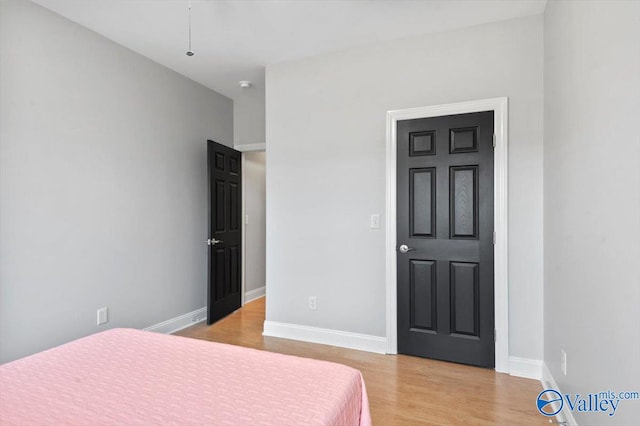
132,377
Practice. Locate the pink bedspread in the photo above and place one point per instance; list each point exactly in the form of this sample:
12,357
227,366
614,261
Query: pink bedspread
125,376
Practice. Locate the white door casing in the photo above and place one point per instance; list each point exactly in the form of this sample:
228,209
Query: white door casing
501,290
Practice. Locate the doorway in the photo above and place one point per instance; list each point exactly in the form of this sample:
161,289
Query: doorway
254,225
499,107
237,227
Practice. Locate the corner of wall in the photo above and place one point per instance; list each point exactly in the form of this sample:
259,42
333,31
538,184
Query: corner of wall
525,367
549,382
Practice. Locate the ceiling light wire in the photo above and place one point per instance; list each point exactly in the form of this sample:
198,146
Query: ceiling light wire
189,52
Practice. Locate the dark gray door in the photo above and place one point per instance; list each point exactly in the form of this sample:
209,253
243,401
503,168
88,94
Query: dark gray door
225,231
445,238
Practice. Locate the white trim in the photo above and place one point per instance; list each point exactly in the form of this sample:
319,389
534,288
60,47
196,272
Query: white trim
501,287
548,382
251,147
254,294
178,323
525,367
243,237
324,336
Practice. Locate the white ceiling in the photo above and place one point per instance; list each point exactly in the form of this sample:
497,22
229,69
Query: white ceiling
235,39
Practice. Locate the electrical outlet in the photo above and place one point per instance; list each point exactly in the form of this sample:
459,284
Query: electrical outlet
103,316
313,303
563,361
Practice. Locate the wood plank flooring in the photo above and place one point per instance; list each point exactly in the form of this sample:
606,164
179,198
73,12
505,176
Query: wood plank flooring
403,390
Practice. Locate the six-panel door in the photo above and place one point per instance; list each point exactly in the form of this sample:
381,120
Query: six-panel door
225,233
445,214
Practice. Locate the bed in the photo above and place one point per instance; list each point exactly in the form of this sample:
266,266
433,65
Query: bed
132,377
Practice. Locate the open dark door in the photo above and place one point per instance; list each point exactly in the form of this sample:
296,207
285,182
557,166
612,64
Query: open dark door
225,231
445,238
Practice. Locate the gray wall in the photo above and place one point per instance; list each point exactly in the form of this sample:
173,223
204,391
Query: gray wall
592,200
254,188
103,183
326,168
249,115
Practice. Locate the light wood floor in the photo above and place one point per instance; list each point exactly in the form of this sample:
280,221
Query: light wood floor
403,390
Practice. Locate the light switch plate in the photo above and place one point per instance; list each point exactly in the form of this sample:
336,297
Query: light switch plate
375,221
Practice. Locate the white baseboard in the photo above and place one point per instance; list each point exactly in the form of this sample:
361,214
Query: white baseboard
525,367
548,382
252,295
178,323
324,336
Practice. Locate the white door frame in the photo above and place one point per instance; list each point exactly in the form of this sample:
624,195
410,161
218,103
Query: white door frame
500,221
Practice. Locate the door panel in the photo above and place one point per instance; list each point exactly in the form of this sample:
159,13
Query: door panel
219,269
445,213
422,191
219,206
463,203
234,206
464,298
225,195
423,294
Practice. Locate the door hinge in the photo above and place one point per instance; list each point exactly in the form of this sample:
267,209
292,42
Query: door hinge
494,238
494,140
